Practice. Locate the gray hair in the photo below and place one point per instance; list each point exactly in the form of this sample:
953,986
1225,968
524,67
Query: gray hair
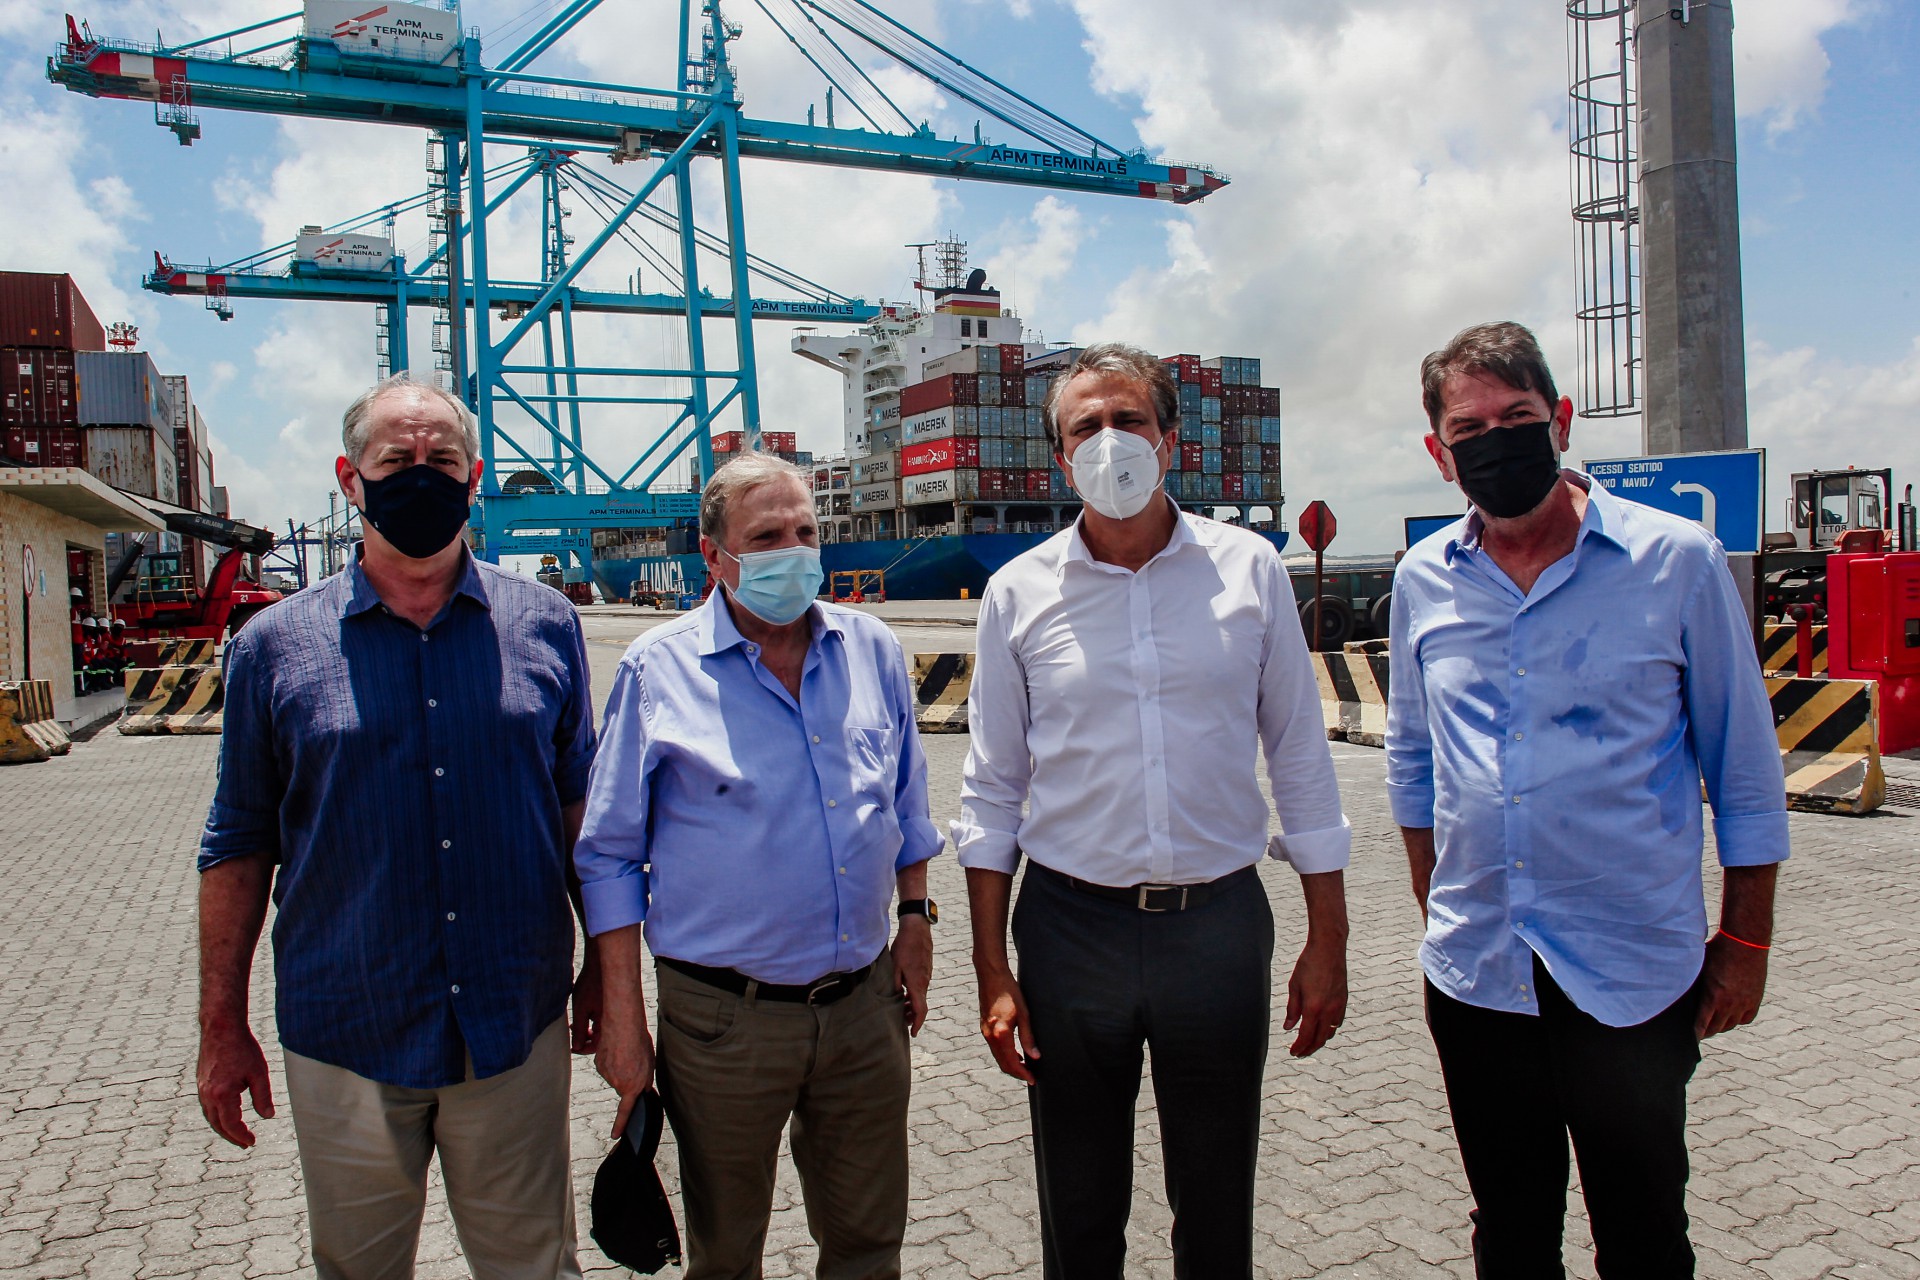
748,471
354,428
1503,350
1128,362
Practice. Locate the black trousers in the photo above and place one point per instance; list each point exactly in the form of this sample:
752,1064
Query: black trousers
1518,1085
1101,981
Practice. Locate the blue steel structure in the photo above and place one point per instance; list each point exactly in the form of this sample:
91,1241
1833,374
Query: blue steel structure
471,110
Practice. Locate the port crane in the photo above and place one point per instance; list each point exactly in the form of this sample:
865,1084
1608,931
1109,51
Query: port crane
412,65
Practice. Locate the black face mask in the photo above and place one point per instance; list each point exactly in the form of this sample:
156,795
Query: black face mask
419,510
1507,471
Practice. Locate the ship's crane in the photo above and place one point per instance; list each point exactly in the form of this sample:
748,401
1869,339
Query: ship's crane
412,65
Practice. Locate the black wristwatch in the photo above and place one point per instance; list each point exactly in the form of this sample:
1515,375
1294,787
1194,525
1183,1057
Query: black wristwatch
919,907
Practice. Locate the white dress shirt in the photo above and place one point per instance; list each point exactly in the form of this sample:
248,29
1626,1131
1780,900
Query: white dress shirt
1127,712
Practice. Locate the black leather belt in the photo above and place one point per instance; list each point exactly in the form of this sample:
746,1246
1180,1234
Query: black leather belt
1152,897
835,986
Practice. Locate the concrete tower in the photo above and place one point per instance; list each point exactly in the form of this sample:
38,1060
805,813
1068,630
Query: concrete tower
1695,359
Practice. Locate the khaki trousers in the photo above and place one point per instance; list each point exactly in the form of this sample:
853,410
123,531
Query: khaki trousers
733,1070
364,1149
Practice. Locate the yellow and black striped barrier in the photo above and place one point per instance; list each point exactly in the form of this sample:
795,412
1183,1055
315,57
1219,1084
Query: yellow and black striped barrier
1353,693
941,683
28,731
1829,733
1780,649
180,699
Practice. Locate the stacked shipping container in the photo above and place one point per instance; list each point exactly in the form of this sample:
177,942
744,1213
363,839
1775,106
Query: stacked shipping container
44,320
975,431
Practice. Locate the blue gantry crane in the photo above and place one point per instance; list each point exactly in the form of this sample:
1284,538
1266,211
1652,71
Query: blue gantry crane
413,65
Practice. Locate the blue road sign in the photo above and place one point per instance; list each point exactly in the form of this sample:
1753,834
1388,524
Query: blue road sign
1420,528
1723,491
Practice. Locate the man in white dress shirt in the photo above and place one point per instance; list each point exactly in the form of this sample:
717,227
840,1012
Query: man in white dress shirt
1131,672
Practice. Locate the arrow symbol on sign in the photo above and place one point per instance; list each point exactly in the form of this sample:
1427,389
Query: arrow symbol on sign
1707,511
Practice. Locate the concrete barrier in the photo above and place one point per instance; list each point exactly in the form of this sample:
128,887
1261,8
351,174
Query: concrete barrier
1829,733
147,654
185,699
28,731
941,683
1353,693
1780,649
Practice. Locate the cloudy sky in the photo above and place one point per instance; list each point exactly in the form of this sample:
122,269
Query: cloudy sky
1399,170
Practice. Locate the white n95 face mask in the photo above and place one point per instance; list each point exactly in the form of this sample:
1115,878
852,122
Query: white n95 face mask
1116,472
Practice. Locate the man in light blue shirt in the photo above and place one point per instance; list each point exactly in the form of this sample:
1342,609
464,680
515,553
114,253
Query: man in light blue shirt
760,796
1568,669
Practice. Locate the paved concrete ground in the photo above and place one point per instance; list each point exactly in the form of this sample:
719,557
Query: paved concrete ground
1806,1126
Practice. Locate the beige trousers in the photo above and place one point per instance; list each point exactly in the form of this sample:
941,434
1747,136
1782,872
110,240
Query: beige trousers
733,1071
364,1149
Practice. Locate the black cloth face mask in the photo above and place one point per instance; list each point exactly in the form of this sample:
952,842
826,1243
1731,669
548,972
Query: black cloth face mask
1507,471
419,510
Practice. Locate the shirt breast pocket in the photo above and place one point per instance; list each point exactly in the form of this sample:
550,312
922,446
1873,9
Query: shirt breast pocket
872,759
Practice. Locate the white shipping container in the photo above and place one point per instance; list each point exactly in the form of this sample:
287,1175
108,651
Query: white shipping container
934,424
410,31
938,486
877,497
138,460
878,467
342,251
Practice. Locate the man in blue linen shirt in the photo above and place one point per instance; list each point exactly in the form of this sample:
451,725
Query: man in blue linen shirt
759,796
404,762
1568,668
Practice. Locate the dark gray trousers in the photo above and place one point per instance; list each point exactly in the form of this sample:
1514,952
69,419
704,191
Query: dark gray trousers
1101,981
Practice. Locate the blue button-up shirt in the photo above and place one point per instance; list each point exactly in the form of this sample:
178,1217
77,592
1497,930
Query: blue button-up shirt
1556,741
749,829
410,784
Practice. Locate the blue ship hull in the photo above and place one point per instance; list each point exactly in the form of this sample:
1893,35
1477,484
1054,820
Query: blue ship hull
917,568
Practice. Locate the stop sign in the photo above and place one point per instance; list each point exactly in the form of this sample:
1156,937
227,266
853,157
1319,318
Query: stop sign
1317,525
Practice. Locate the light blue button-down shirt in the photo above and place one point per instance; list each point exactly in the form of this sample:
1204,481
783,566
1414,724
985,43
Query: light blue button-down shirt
748,829
1556,741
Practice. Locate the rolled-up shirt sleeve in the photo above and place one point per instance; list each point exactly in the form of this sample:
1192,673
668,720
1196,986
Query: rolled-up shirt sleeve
1315,834
611,854
920,839
1409,740
999,768
244,819
1730,722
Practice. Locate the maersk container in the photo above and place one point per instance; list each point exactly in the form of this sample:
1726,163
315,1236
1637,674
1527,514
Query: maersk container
38,309
138,459
123,389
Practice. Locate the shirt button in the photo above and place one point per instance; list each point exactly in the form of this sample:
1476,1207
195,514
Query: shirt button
1516,799
446,844
423,637
833,804
433,702
1522,671
1519,736
816,737
449,915
456,988
1517,865
843,937
439,773
843,871
1523,986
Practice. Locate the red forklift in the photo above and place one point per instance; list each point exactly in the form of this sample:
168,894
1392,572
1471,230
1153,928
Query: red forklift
165,603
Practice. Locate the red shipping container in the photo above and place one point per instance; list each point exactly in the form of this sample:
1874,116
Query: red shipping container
1190,455
1013,360
929,456
1189,367
1266,401
1209,382
1013,389
42,310
1233,484
728,442
44,446
779,441
1037,483
993,483
966,451
936,393
38,387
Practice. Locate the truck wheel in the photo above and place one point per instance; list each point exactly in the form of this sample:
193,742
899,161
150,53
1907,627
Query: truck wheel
1336,622
1380,615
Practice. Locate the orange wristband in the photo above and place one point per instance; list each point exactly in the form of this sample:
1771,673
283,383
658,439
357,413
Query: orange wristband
1743,942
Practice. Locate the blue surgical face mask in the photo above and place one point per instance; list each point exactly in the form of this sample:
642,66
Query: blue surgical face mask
777,586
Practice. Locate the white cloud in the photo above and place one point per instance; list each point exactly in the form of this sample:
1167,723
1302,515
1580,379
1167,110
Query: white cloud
1816,411
1780,68
67,225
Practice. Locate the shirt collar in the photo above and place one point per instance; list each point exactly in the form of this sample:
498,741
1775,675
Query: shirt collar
1602,520
361,595
715,626
1187,531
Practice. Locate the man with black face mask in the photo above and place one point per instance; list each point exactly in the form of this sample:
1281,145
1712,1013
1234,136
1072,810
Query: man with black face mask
404,763
1569,668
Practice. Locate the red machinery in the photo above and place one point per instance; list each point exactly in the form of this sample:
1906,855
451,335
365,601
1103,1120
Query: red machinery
169,605
1873,631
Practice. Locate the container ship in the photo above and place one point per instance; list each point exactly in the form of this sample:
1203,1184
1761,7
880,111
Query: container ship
945,472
